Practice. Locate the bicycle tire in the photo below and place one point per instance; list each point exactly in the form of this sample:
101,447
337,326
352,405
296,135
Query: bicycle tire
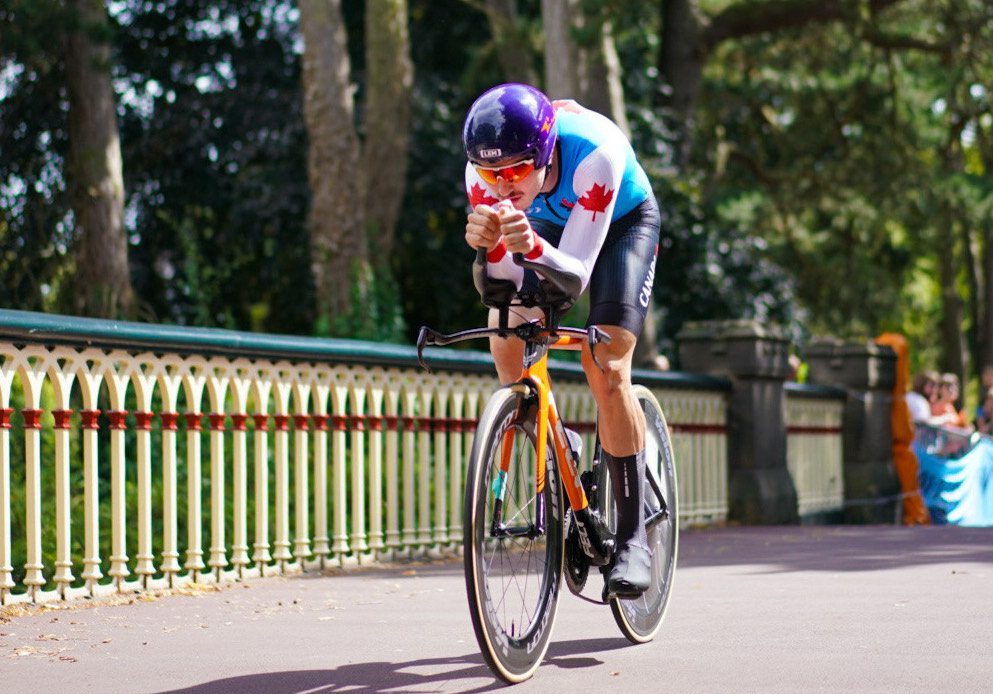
504,575
639,618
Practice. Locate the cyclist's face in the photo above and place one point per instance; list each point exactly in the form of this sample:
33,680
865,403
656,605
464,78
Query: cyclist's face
523,192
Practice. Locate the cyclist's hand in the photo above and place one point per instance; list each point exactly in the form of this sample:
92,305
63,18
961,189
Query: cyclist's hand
518,236
482,228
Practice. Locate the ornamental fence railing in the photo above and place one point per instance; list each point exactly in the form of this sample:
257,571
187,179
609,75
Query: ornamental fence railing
136,457
814,451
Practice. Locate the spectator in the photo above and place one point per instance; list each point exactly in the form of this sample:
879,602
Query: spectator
943,412
921,395
984,414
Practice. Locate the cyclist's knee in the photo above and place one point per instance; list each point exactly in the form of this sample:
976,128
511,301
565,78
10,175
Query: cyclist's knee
613,377
611,373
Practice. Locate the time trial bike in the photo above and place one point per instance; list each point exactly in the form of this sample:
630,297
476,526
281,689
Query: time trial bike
530,513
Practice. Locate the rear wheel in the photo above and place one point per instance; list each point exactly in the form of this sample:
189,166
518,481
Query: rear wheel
513,542
640,618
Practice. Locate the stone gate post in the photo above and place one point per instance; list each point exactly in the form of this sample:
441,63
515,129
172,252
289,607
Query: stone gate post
867,372
754,357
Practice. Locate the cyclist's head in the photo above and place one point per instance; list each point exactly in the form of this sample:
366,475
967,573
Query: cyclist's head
510,122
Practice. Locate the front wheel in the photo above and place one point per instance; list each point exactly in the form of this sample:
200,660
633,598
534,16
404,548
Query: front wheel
640,618
513,541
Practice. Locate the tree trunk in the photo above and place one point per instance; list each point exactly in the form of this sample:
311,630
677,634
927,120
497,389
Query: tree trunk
510,42
337,235
96,181
983,357
681,60
970,266
389,82
603,90
954,349
561,52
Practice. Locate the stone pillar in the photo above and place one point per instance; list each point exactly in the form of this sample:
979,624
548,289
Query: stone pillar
754,357
867,372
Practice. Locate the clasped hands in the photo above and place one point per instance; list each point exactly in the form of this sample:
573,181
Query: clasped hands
486,225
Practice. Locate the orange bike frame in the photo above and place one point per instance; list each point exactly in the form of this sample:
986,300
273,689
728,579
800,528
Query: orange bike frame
537,378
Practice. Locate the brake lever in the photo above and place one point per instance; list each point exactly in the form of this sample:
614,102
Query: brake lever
595,336
424,337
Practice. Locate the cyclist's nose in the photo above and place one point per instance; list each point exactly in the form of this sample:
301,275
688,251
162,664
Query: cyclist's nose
502,187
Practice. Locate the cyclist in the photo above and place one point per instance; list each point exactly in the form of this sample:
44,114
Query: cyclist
561,185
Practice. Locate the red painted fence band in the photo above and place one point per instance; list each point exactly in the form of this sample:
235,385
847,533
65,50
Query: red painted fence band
143,421
170,421
194,421
825,431
117,420
32,418
62,418
90,419
697,428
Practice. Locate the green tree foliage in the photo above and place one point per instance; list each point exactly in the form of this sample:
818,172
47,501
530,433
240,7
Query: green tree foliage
35,224
855,147
212,116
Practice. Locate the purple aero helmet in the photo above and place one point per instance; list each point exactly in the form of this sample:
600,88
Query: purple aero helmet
510,121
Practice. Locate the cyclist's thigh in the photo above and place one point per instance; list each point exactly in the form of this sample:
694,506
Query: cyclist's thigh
508,353
622,279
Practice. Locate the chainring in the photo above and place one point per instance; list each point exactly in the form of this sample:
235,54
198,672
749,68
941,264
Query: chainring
577,564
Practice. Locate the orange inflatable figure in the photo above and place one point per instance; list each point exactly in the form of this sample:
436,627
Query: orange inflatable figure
904,460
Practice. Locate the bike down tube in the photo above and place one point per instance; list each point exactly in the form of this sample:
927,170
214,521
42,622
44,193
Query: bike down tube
548,416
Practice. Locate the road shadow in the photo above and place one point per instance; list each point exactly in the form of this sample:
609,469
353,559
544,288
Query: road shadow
835,548
467,670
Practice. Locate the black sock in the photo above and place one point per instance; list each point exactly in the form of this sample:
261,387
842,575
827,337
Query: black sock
627,479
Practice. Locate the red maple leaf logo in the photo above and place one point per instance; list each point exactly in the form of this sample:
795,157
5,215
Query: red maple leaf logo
479,196
597,198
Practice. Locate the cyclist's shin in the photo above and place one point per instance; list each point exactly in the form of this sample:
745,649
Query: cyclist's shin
627,479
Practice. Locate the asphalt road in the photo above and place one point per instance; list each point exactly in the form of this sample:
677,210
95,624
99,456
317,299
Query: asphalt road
758,609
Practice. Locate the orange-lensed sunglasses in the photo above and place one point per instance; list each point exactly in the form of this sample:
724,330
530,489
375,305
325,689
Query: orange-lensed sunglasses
511,174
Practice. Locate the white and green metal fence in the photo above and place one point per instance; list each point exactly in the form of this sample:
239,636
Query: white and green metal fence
135,456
